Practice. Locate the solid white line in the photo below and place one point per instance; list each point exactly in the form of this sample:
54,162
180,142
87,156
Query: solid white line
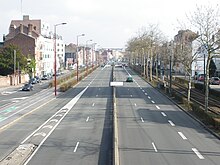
155,149
182,135
87,119
197,153
142,120
157,107
153,102
171,123
163,114
77,144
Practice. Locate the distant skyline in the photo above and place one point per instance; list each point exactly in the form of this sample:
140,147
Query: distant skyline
109,23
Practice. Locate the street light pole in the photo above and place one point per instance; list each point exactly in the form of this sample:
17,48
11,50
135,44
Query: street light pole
14,65
55,57
77,60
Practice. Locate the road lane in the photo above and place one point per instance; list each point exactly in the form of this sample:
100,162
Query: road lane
84,136
150,126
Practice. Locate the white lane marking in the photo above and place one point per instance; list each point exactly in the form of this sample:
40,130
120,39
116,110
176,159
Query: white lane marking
142,120
155,148
77,144
41,134
182,135
68,106
163,114
140,88
87,119
131,95
54,120
145,93
135,104
171,123
128,89
157,107
48,126
197,153
148,97
93,104
96,95
153,102
59,115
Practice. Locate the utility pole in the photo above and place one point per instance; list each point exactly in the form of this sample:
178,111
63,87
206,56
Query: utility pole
14,65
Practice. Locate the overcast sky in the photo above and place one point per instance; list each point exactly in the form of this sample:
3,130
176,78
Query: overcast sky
109,23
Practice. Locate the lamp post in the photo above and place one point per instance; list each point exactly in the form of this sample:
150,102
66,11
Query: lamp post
55,61
77,60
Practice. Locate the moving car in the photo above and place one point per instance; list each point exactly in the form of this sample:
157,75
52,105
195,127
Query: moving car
27,87
129,79
33,81
214,81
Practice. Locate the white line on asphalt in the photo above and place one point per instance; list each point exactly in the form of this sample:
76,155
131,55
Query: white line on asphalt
140,88
143,91
153,102
157,107
59,115
135,104
182,135
128,89
54,120
142,120
131,95
163,114
96,95
171,123
155,149
87,119
148,97
197,153
48,126
93,104
77,144
41,134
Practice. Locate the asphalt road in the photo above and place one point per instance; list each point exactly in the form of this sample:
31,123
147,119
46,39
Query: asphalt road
152,130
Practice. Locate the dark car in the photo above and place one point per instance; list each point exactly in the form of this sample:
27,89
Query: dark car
27,87
214,81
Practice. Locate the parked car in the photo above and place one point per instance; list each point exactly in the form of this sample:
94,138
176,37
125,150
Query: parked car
27,87
37,79
201,77
33,81
129,79
45,77
214,81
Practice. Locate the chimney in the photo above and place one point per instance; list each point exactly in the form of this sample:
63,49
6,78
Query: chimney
25,17
21,28
30,26
12,28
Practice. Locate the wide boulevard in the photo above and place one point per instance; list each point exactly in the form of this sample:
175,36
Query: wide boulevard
76,126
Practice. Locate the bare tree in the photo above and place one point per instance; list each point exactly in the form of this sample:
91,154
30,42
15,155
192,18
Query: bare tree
206,21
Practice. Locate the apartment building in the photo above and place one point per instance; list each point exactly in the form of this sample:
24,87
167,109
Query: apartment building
36,42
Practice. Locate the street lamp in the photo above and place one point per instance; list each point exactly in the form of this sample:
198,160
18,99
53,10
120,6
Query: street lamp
55,61
77,60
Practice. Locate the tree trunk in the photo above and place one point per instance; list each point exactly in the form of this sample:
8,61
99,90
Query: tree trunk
207,83
151,64
189,88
